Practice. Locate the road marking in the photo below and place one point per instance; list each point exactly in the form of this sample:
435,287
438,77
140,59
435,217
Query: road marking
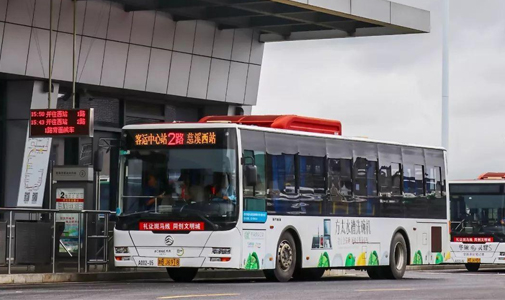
385,290
198,296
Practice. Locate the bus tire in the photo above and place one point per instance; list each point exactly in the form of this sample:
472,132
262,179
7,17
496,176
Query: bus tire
472,267
308,274
182,274
397,258
286,260
375,272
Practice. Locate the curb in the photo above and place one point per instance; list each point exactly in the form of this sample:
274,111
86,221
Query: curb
118,276
77,277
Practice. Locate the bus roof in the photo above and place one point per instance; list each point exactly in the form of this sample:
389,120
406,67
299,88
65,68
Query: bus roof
265,129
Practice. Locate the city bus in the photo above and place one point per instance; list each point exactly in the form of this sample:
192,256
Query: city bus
286,195
478,221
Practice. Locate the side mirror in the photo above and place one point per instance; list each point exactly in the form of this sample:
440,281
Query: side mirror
251,175
98,160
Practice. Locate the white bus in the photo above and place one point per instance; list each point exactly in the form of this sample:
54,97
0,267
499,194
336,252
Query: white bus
286,201
478,221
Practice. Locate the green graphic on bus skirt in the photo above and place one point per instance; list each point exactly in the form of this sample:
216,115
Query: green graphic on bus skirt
418,258
324,261
350,261
253,263
373,260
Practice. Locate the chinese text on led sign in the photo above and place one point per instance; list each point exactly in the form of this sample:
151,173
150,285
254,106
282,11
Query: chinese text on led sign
175,138
61,122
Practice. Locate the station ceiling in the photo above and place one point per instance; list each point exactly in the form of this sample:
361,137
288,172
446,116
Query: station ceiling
279,20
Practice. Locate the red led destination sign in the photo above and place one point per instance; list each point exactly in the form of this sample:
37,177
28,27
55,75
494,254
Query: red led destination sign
175,138
61,122
184,138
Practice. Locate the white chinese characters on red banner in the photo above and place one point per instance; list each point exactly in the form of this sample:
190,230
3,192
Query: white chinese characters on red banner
471,239
172,226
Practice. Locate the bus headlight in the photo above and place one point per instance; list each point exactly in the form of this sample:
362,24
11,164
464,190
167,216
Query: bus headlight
221,251
121,250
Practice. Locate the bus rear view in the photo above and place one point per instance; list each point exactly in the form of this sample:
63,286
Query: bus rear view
478,221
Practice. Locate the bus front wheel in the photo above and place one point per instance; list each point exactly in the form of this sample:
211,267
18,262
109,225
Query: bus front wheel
286,259
182,274
472,267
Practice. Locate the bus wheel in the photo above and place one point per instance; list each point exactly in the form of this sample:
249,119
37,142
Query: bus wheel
309,274
472,267
286,260
375,272
397,258
182,274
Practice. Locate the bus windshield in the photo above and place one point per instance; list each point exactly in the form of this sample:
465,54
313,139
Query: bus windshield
478,209
182,183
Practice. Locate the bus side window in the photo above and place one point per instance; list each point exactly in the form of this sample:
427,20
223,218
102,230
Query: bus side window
439,186
433,181
365,186
340,186
390,180
409,180
385,180
312,183
281,184
419,180
396,174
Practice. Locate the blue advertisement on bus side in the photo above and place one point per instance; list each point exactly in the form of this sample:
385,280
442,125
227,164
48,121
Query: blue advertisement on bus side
255,216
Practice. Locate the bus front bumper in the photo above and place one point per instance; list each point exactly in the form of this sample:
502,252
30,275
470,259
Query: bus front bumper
213,250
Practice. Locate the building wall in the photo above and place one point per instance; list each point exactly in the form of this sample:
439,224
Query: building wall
142,50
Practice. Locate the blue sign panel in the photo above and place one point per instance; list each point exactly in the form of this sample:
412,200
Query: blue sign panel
255,216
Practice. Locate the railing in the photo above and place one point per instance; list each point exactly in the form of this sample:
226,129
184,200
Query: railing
27,232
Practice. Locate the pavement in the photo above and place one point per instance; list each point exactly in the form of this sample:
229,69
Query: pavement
428,284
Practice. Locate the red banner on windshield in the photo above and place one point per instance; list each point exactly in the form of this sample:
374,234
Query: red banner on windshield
172,226
470,239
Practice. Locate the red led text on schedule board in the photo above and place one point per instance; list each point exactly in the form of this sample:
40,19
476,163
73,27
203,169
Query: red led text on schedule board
54,122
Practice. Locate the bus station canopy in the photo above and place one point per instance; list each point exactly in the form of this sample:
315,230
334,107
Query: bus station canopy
280,20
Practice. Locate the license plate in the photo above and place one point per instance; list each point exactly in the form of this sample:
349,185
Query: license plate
169,262
146,262
473,261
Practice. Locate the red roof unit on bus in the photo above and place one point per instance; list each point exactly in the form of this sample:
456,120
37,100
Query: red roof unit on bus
492,175
290,122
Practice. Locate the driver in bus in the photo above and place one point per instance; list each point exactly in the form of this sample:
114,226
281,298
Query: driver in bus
151,189
223,188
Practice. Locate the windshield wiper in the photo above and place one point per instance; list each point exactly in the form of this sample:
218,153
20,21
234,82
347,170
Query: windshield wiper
136,213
